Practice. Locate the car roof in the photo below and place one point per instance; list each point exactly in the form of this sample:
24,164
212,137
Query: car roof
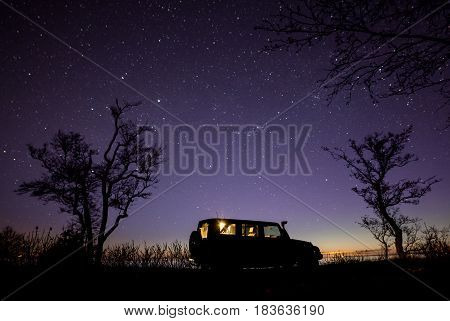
209,220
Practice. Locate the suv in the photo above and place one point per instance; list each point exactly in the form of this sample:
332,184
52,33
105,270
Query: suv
221,242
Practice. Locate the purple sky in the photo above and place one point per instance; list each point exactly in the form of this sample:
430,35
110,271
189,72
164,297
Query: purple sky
203,62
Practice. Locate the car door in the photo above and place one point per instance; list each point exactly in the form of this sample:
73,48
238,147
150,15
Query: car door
226,243
274,247
251,243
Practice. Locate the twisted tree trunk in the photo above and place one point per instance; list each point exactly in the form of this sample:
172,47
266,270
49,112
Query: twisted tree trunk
398,233
104,219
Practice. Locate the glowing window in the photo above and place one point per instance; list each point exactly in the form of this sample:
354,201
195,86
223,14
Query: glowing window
272,232
204,230
227,228
250,230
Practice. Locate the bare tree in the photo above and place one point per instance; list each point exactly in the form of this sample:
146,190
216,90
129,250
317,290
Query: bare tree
389,48
127,171
88,188
373,160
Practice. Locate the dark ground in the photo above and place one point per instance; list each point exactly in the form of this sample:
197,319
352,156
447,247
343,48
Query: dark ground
351,281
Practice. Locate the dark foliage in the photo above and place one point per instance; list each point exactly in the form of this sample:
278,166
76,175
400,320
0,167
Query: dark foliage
339,281
40,247
164,272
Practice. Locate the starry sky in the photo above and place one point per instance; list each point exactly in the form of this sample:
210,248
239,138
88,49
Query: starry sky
201,61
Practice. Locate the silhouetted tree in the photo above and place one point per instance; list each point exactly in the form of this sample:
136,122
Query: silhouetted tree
88,188
127,171
388,47
67,180
371,163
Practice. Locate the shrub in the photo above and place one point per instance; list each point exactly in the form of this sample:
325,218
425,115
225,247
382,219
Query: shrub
173,255
17,248
11,245
434,242
39,247
342,258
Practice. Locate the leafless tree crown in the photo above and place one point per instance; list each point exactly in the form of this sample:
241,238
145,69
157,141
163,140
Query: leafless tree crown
388,48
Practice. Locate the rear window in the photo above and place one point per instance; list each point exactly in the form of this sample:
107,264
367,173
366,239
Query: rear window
204,230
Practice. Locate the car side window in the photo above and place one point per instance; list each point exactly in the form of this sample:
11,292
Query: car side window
272,232
250,230
227,228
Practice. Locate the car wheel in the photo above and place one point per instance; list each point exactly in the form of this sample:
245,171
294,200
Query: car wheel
310,265
306,265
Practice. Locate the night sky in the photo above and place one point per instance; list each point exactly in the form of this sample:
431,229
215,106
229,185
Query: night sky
201,61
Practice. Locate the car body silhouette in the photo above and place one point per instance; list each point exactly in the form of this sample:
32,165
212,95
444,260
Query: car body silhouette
220,242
